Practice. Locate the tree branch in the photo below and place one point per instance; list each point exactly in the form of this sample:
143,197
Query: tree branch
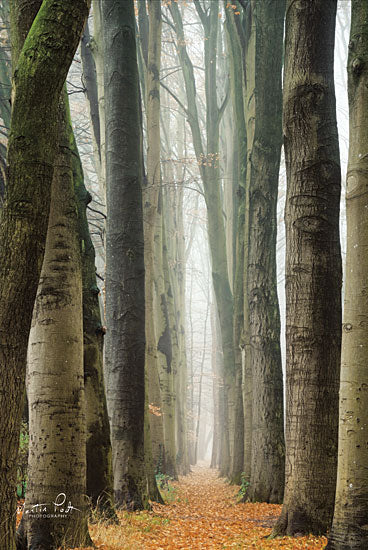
202,15
224,103
176,98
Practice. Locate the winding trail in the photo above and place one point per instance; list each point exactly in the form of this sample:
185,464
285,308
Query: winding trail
202,513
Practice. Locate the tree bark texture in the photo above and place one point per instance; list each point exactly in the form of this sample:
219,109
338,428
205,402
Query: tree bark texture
313,268
125,337
240,138
57,447
350,523
264,63
99,458
38,80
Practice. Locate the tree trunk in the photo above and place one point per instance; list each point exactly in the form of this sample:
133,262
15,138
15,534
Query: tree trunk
38,80
125,337
99,464
57,447
349,528
240,139
264,63
97,49
313,269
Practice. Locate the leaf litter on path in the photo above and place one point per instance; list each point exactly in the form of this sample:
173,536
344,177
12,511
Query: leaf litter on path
202,514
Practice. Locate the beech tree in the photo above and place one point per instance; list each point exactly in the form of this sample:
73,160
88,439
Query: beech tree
159,346
38,79
55,388
313,268
264,112
125,315
351,506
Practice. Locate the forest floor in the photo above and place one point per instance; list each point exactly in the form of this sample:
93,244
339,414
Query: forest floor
201,513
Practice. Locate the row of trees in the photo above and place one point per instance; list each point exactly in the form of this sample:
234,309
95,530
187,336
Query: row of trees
141,93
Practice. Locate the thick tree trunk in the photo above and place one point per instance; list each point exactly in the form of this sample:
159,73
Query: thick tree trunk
264,63
349,528
125,337
57,448
313,268
38,80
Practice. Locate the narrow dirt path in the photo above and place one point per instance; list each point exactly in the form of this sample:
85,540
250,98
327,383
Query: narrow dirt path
202,513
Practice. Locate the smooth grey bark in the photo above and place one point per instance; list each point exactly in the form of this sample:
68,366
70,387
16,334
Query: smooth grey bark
349,527
125,302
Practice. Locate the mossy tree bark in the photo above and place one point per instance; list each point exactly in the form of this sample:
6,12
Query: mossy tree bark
313,268
5,71
264,64
38,80
57,422
125,303
349,528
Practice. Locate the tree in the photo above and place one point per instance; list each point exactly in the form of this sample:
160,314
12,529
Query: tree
55,389
98,444
264,111
235,53
313,268
210,175
351,504
40,74
159,346
125,337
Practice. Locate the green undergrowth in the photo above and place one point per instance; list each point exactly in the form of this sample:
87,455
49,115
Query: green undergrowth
169,492
243,491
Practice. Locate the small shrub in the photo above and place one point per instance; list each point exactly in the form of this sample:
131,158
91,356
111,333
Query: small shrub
243,487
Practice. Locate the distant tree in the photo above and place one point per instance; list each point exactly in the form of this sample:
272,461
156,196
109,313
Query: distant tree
159,345
349,528
206,149
313,268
